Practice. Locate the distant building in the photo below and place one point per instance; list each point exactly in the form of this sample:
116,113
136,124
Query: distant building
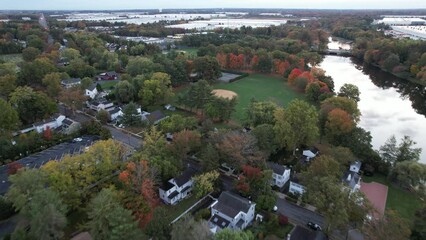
178,188
231,211
101,104
295,186
52,123
114,113
107,76
91,91
310,154
71,82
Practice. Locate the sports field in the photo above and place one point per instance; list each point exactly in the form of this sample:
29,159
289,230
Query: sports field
262,88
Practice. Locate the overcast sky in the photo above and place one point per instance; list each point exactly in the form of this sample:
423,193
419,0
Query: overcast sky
149,4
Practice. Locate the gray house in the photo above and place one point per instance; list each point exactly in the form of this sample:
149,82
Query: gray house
352,178
231,211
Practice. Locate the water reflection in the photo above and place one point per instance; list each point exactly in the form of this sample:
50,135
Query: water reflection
388,104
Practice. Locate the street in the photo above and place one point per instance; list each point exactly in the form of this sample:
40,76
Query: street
298,214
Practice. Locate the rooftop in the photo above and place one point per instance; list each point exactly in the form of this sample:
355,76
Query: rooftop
71,81
277,168
232,204
185,176
377,194
155,116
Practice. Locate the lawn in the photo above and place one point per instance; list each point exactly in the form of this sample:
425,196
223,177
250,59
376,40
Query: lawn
175,211
15,58
405,203
261,87
190,50
108,84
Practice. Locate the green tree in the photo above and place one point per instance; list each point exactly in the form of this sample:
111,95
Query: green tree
80,69
177,123
204,183
229,234
109,220
198,95
137,50
103,116
220,109
9,120
124,92
7,85
266,139
209,158
109,61
30,54
31,105
188,228
156,90
185,142
392,153
139,65
418,231
313,92
207,68
350,91
342,155
52,82
409,174
159,228
70,54
131,117
261,112
33,72
86,82
74,98
390,62
24,184
46,214
296,125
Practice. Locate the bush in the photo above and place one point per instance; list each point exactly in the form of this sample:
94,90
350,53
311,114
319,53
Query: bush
283,220
202,214
6,209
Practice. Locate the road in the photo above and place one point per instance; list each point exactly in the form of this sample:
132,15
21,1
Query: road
298,214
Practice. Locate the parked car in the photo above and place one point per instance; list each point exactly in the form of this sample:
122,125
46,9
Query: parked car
314,226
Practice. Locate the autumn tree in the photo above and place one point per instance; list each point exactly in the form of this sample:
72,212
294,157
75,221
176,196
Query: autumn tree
391,227
185,142
238,148
142,198
254,182
108,219
338,123
13,167
296,125
205,183
74,98
188,228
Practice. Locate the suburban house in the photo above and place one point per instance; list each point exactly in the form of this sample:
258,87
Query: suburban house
177,188
296,187
280,174
71,82
114,113
69,126
156,117
100,105
231,211
107,76
351,177
310,154
92,91
52,123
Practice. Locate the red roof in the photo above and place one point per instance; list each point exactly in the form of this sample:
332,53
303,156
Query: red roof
377,194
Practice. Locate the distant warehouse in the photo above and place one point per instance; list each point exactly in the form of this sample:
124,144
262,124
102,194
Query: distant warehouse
398,21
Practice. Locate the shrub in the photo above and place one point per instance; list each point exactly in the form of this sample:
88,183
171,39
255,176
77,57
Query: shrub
6,209
283,220
202,214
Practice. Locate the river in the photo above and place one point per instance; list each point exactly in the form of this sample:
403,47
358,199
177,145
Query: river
389,105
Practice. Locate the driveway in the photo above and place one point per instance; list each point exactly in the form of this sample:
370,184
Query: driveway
298,214
125,138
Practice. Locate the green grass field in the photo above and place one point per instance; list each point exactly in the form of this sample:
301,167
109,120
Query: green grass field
405,203
108,84
190,50
260,87
15,58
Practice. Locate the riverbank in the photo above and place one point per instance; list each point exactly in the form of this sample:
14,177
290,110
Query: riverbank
400,75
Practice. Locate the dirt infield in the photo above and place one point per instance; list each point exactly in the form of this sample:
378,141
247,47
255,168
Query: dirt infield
224,93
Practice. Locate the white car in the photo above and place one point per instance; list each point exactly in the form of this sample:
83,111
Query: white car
78,139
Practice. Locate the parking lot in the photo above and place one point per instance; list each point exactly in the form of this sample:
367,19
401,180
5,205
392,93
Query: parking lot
227,77
54,153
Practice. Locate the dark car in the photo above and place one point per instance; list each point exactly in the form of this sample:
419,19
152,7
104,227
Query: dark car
314,226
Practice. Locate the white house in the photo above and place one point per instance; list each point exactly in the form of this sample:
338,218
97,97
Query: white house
280,174
231,211
352,178
114,113
177,188
39,127
309,154
69,83
296,188
92,91
99,105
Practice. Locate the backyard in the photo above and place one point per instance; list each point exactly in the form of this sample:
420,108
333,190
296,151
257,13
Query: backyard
261,87
405,203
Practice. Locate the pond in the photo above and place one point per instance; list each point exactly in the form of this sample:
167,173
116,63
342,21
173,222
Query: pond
389,105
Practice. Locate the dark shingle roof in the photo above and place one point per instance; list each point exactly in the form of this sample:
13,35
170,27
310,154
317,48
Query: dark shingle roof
92,87
173,194
277,168
71,81
351,179
67,121
231,204
167,186
185,177
114,110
